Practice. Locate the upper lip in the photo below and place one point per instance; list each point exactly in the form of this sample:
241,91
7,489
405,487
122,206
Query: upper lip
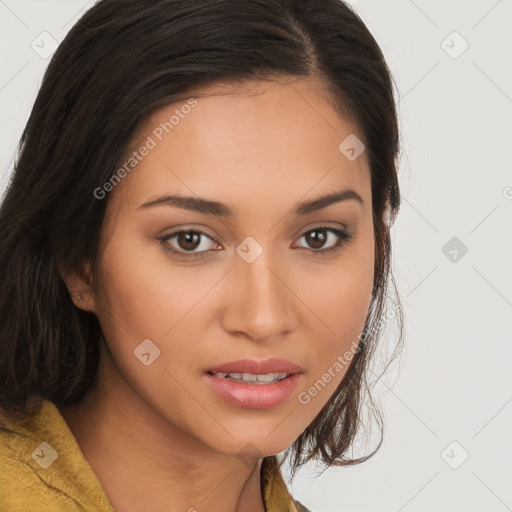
257,367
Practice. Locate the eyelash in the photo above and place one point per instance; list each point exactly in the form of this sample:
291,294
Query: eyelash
344,237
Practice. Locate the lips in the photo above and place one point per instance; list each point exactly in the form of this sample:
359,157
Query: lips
253,384
251,395
257,367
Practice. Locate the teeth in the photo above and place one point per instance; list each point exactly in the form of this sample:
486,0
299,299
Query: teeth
267,378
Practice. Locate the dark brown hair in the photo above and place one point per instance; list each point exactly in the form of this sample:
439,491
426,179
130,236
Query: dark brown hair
122,60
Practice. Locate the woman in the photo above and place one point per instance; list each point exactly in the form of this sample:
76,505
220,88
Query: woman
196,251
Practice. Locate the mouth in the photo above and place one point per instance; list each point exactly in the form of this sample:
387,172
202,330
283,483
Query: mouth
255,384
252,378
253,367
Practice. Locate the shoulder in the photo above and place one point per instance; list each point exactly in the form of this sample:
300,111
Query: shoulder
21,487
42,467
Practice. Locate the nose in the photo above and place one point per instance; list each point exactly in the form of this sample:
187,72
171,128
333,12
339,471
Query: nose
260,303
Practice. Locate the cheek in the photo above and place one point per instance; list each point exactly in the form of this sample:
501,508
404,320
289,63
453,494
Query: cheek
350,301
341,307
343,299
144,297
144,292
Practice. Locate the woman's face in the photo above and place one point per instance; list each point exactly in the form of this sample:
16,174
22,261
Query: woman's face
257,284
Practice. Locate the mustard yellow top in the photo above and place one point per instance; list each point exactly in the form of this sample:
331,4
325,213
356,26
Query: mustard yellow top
43,469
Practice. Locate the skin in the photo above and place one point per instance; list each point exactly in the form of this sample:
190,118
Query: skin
260,148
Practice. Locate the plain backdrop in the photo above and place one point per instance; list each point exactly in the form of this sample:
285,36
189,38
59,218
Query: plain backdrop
448,404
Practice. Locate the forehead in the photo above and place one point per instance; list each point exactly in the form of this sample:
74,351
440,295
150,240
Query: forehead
277,140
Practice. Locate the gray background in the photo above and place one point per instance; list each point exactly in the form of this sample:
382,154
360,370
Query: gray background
450,395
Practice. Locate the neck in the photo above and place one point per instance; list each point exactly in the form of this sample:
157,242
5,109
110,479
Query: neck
145,463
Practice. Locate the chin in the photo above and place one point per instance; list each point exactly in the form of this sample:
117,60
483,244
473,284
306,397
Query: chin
256,446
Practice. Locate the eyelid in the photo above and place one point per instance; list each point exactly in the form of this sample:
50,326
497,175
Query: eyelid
343,235
164,241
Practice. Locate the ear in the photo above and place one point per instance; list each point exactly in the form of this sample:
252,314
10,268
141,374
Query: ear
80,287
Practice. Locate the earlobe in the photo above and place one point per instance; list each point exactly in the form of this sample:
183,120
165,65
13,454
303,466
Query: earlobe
79,285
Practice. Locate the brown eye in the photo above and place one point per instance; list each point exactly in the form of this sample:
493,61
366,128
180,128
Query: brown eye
187,242
317,238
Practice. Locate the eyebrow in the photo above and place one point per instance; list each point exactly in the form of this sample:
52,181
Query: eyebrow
209,207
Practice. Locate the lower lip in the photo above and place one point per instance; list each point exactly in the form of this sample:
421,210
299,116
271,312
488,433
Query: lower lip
254,396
